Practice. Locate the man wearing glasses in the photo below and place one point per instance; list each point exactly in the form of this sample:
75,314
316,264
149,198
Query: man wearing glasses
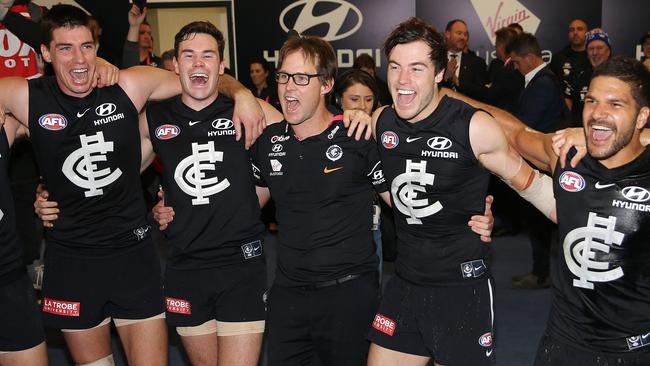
322,181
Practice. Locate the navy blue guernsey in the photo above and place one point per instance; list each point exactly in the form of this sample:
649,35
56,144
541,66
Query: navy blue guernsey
208,180
11,263
89,153
436,185
323,192
601,280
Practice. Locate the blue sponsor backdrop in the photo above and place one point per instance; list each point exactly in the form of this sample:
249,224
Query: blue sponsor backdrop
356,26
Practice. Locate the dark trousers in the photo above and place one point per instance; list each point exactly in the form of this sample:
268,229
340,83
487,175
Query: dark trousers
541,231
328,325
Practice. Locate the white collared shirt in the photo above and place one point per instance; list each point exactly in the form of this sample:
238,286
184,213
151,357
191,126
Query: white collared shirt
531,74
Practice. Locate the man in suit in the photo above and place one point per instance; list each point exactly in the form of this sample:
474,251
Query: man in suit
541,107
465,72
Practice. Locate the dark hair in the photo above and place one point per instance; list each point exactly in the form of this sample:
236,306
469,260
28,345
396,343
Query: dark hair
524,44
351,77
62,15
261,61
517,27
632,72
452,22
316,50
201,27
414,30
364,60
506,36
167,55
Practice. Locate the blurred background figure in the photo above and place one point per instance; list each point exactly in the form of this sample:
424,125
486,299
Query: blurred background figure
366,63
263,86
167,60
645,47
357,89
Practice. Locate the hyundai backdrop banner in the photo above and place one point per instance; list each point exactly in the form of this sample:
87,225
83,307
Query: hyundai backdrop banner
548,20
360,26
352,27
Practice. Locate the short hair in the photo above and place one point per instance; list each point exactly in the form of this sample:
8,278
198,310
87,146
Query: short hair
452,22
199,27
415,29
632,72
262,61
355,76
167,55
62,15
364,60
506,36
316,50
517,27
524,44
580,19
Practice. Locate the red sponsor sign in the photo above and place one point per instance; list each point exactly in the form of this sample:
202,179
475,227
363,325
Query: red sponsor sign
384,324
178,306
59,307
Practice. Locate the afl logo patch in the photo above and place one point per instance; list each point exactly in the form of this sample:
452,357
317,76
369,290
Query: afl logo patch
334,152
389,139
166,132
485,340
572,182
53,122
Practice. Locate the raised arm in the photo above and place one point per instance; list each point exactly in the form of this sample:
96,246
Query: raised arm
534,146
492,150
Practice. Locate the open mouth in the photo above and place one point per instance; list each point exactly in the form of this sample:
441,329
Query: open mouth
600,133
292,103
198,78
405,96
79,75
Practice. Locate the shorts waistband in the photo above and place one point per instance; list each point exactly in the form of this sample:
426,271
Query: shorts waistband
338,281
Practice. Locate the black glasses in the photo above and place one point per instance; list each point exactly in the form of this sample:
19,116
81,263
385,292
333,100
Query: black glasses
298,79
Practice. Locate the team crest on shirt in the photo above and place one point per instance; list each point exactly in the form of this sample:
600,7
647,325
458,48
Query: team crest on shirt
572,182
389,139
334,152
53,122
166,132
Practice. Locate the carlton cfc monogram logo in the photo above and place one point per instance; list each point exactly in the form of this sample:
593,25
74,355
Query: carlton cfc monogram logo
337,28
580,251
405,189
190,173
80,167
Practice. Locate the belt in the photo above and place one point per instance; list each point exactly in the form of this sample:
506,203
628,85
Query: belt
338,281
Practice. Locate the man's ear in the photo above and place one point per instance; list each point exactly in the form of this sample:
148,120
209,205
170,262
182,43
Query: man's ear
642,117
45,52
327,87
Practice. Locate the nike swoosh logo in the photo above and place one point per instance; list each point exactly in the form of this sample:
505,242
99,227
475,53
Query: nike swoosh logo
79,115
488,353
602,186
327,170
411,139
192,123
477,268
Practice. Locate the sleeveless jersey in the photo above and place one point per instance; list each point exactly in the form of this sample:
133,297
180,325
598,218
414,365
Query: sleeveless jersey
323,191
17,58
207,179
436,185
601,279
88,150
11,262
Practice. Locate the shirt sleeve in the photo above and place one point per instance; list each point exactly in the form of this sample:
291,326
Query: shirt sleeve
255,164
374,170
